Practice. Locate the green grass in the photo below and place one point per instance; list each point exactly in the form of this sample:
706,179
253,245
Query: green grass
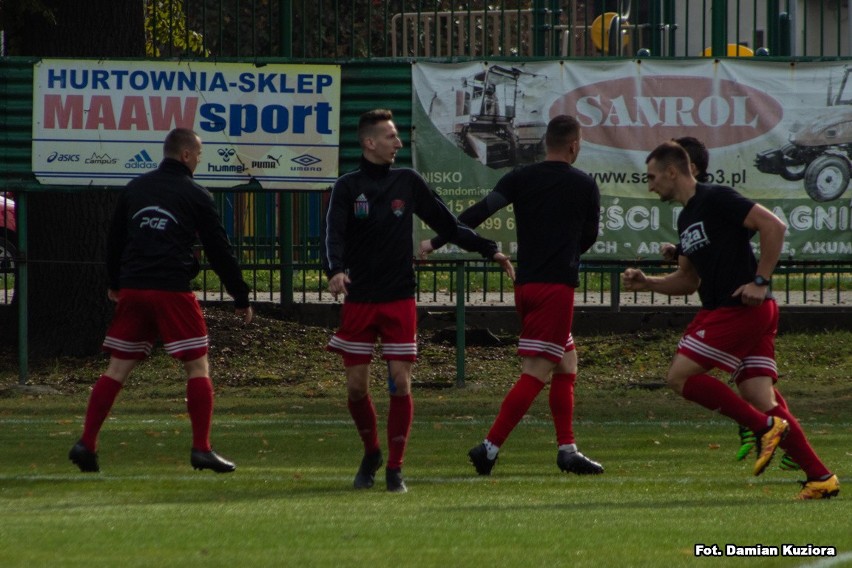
670,483
671,479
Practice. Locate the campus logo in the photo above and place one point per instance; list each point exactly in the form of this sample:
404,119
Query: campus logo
141,161
694,238
101,159
306,163
270,163
226,153
57,157
398,207
634,114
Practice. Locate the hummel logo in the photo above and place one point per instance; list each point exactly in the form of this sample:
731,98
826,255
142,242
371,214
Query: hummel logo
226,153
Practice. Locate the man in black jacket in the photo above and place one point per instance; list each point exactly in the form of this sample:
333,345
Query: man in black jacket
557,211
369,259
150,263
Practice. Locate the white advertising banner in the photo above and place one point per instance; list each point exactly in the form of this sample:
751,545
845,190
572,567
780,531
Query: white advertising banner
779,133
104,122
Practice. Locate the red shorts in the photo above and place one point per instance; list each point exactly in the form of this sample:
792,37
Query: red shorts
361,323
739,340
142,316
547,311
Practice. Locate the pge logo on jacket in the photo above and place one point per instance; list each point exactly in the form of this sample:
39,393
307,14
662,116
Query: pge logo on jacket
154,218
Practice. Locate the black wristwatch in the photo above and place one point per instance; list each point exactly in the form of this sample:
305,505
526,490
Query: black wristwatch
761,281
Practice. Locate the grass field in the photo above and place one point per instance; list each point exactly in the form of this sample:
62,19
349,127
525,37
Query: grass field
670,483
671,479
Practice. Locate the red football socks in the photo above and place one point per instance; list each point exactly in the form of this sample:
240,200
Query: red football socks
798,447
400,416
364,415
562,406
515,405
714,395
199,404
103,396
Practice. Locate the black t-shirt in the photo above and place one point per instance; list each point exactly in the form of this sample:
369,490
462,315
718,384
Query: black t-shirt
557,212
714,239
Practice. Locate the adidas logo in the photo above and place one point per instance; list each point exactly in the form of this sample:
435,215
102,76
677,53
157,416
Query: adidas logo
142,160
700,333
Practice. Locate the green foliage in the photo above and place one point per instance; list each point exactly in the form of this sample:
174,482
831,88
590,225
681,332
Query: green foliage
166,30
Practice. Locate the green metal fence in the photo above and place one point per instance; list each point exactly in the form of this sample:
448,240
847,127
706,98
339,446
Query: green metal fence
335,29
277,234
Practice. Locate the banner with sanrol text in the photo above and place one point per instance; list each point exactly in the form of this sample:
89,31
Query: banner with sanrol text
781,134
104,122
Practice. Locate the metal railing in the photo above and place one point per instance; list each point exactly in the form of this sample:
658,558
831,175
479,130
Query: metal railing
439,283
336,29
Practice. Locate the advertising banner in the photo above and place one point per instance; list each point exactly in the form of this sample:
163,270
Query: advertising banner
104,122
779,133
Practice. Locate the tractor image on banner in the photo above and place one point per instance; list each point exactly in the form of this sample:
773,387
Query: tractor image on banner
486,123
819,149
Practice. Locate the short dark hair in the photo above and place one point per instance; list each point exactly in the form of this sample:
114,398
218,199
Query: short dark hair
698,155
371,118
562,130
178,140
670,154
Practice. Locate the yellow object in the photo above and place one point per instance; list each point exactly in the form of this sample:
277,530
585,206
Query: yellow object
820,489
599,31
734,50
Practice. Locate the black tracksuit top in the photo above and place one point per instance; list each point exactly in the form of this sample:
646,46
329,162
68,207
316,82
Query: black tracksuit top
369,230
159,217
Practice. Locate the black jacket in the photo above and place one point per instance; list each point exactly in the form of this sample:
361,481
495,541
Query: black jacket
159,218
369,230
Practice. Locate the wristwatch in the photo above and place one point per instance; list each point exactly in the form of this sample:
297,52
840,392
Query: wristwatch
761,281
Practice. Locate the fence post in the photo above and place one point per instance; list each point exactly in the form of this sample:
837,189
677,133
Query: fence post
22,293
460,323
719,30
285,229
615,290
285,28
539,27
655,17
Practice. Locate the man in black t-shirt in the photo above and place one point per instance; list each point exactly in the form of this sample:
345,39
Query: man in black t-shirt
736,327
557,211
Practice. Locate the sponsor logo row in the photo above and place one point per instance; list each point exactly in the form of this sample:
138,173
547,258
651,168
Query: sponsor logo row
143,160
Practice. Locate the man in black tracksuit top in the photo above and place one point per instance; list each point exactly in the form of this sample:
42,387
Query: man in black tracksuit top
557,211
150,263
369,258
